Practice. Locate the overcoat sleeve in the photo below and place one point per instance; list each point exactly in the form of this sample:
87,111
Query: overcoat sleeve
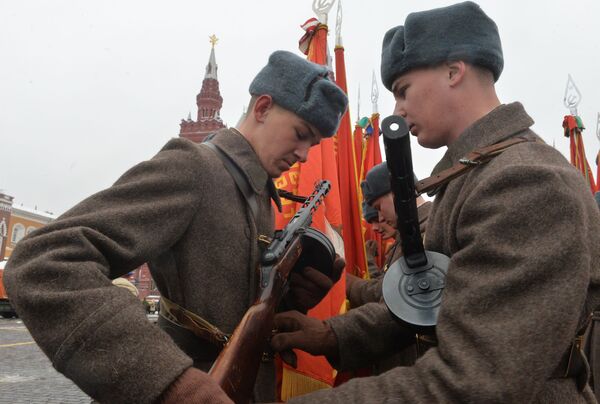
363,291
59,279
514,297
366,334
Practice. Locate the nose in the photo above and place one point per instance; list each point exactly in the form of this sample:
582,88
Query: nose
376,227
399,109
301,153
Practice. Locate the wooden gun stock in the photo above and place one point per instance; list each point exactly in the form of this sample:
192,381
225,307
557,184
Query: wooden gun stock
237,366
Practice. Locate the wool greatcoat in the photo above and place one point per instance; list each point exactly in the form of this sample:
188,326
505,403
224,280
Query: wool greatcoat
368,335
183,214
523,236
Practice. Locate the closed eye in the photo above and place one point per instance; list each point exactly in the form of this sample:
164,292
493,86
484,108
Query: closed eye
307,135
401,92
302,136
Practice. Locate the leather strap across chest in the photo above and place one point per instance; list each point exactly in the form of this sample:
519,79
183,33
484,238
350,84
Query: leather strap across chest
236,173
475,158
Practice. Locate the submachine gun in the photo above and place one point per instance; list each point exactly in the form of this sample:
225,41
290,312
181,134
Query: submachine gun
296,246
413,285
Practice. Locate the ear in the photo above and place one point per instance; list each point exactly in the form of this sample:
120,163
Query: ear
262,106
456,72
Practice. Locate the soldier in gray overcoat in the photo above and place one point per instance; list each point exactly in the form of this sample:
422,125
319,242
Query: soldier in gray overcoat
522,231
183,213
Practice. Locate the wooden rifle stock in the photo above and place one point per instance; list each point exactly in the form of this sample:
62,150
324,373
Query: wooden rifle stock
240,359
236,367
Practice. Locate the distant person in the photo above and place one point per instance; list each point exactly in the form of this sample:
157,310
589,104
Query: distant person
370,216
199,217
125,284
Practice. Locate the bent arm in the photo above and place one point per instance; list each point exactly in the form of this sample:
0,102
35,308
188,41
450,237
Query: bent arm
367,334
514,296
59,279
362,291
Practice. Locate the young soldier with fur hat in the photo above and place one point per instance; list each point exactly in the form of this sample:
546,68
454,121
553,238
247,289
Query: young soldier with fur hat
370,216
522,230
183,213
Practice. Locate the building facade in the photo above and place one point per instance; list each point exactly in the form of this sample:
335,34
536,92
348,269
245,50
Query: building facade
24,220
143,281
6,202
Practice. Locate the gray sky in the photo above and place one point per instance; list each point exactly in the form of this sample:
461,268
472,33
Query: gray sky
88,89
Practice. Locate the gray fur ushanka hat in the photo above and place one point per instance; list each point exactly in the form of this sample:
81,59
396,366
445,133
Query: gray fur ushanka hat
376,183
303,88
458,32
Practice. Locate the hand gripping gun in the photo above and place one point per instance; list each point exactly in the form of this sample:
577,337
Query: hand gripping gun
296,246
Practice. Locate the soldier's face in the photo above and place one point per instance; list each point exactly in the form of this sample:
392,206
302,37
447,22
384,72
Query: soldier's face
285,139
422,99
385,207
383,228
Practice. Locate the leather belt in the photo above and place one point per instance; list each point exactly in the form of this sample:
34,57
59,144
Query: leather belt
192,322
202,352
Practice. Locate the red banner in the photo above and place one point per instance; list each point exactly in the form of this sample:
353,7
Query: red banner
573,126
314,372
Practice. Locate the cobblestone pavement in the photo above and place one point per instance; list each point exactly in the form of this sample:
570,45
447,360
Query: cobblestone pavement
26,374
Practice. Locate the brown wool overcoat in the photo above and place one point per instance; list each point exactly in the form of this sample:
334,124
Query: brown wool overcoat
368,335
523,234
182,213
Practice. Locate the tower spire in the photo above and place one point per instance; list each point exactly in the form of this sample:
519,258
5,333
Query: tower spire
209,102
211,67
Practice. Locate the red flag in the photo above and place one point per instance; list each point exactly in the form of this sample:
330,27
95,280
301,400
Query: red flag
598,172
573,127
371,157
314,372
359,147
354,243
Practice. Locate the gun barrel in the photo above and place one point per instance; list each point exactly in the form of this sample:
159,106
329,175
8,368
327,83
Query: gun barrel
396,139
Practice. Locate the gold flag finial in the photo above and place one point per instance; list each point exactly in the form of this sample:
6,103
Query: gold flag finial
213,40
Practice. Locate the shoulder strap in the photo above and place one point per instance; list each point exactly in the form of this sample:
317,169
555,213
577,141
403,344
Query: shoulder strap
239,178
473,159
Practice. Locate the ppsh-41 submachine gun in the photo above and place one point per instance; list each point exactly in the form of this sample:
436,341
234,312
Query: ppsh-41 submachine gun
296,246
413,285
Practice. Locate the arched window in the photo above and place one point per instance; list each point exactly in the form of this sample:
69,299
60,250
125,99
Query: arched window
18,233
30,229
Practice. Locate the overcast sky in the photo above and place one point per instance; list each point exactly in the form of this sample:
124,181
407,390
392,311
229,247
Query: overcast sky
88,89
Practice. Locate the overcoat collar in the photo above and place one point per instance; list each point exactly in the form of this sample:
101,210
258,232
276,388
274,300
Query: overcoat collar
500,124
232,143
